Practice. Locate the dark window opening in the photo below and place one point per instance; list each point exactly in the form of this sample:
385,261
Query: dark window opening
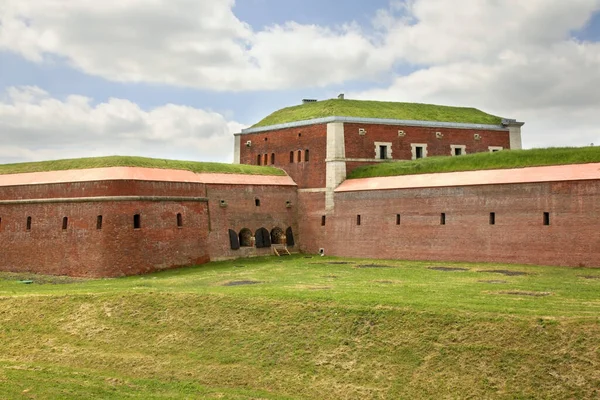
0,223
443,219
418,152
65,223
234,241
289,237
397,219
179,220
299,155
291,157
266,139
546,218
358,219
137,221
99,222
306,156
266,159
258,158
457,151
272,158
28,223
257,202
492,218
245,237
323,220
299,135
382,152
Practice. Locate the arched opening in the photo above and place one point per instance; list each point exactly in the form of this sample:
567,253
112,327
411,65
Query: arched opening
277,236
291,157
272,158
263,238
179,220
245,238
289,237
299,155
258,159
306,155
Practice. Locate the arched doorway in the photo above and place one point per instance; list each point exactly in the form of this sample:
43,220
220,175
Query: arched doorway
245,238
277,236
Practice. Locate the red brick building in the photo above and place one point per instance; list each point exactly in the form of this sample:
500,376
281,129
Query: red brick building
106,222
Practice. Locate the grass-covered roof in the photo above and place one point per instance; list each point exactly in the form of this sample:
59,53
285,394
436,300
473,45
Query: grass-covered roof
143,162
379,110
483,161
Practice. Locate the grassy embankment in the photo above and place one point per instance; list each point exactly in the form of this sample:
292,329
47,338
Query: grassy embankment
129,161
307,328
483,161
378,109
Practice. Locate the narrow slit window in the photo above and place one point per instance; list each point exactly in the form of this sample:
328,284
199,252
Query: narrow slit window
492,218
0,223
179,220
323,220
257,202
546,218
358,221
397,219
299,155
258,158
291,157
137,221
28,223
266,159
272,158
65,223
99,222
443,219
306,156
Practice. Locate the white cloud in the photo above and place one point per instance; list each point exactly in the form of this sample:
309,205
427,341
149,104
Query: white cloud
35,126
195,43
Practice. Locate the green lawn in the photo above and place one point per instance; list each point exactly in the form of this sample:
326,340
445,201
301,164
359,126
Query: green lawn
378,109
129,161
483,161
307,328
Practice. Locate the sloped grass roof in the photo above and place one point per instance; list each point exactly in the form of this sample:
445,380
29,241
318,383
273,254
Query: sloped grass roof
143,162
379,110
483,161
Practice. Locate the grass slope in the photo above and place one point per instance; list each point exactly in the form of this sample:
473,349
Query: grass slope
128,161
313,328
483,161
378,109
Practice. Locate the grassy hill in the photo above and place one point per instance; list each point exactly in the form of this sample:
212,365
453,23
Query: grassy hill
128,161
483,161
305,328
378,109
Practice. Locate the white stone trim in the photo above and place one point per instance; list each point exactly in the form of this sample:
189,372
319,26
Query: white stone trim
462,147
388,151
413,150
491,149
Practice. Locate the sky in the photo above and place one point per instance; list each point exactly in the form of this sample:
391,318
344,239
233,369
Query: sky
176,78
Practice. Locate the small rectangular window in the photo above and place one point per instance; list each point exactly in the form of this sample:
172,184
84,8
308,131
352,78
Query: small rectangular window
258,159
257,202
546,218
179,220
306,156
272,158
323,220
397,219
137,221
457,151
65,223
492,218
358,219
28,223
418,152
443,219
291,157
99,222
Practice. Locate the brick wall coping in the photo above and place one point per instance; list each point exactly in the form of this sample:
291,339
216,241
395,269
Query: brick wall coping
141,174
554,173
101,199
326,120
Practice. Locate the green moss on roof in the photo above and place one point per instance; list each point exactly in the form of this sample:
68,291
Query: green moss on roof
143,162
483,161
380,110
